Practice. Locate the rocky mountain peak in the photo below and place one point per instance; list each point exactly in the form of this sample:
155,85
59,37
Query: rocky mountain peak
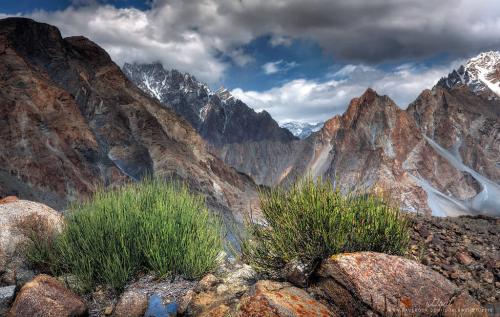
26,31
369,104
481,74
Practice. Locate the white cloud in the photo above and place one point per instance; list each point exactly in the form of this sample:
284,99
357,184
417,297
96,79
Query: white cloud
318,100
279,40
132,35
241,58
277,67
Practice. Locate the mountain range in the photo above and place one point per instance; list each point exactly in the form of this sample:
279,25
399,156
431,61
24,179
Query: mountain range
374,144
71,120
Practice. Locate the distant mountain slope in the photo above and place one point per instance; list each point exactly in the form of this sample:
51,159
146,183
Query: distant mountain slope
70,120
218,116
233,131
377,145
302,129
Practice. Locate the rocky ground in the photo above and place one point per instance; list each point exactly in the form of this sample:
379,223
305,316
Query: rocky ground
458,270
464,249
144,292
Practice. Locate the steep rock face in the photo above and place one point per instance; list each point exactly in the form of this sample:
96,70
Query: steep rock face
365,148
467,127
441,154
70,120
374,144
241,137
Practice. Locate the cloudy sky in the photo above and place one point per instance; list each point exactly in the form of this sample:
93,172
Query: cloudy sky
299,60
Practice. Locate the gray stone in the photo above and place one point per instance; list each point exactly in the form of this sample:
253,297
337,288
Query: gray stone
6,298
23,276
297,273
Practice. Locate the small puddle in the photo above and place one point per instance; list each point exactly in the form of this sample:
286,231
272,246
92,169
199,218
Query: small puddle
156,308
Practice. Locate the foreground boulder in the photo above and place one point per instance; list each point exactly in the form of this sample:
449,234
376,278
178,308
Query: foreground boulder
349,284
19,219
46,296
131,304
368,283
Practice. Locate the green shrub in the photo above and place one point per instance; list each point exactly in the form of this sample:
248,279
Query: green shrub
313,220
152,225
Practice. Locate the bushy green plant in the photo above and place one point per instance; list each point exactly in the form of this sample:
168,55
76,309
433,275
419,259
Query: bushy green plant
152,225
313,220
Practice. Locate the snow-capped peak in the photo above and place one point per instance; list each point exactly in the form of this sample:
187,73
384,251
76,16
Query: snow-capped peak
480,73
486,68
301,129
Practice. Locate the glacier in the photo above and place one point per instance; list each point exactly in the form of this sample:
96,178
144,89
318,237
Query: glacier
486,202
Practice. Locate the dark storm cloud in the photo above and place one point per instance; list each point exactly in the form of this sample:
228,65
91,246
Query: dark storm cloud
371,31
361,31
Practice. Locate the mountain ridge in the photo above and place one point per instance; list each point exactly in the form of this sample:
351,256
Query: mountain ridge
170,87
246,140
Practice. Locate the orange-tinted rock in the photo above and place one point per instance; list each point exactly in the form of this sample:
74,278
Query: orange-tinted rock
217,294
218,311
46,296
275,299
131,304
367,282
8,199
207,301
464,258
464,306
206,283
